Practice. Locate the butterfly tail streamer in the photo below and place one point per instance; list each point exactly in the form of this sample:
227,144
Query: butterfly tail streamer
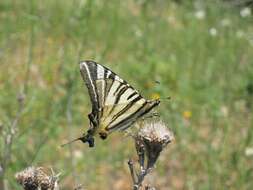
63,145
85,139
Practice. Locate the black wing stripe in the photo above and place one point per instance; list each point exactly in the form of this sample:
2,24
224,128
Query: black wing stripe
112,76
89,78
93,69
118,88
108,87
105,94
129,117
124,124
131,95
127,107
121,92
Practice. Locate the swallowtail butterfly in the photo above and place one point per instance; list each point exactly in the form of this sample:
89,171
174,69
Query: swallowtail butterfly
116,105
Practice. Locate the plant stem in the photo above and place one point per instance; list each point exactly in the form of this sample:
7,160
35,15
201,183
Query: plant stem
12,129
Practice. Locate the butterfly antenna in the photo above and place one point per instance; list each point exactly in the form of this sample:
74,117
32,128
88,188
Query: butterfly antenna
165,98
157,82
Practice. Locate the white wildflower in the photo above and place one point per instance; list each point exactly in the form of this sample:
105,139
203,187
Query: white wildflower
224,111
138,33
249,151
225,22
78,154
171,19
213,32
245,12
200,14
251,42
240,34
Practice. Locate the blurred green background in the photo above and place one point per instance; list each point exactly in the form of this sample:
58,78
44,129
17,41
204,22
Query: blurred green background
199,51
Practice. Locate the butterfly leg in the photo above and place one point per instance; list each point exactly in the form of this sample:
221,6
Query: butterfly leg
151,115
93,120
88,137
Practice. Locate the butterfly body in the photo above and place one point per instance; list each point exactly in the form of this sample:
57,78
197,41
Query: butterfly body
116,105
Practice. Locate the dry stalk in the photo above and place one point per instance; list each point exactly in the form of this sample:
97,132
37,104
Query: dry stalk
10,131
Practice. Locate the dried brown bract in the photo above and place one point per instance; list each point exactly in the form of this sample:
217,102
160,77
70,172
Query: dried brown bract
36,179
153,137
150,140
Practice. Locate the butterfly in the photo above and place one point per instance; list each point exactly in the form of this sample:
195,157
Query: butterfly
116,105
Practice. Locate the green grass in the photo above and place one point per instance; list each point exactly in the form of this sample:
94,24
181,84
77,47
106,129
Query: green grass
206,76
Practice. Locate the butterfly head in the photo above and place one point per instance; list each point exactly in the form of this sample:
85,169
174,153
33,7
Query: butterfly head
155,102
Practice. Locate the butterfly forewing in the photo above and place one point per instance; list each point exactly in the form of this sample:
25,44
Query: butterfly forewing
89,74
115,103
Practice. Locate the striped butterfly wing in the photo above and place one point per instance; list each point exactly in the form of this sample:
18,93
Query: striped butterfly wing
115,104
123,107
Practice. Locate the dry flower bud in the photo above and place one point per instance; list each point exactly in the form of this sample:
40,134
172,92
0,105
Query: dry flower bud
153,136
21,98
35,178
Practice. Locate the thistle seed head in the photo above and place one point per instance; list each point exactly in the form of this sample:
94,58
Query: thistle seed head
35,178
153,137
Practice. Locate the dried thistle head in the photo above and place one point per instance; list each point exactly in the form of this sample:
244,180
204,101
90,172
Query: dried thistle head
152,138
35,178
